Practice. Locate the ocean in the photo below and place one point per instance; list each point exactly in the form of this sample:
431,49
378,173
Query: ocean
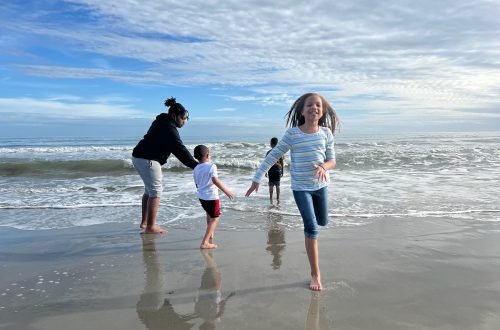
66,182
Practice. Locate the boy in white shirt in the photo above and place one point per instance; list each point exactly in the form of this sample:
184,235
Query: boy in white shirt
207,181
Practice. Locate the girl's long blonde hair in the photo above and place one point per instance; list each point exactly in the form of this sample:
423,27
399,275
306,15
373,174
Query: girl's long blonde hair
294,117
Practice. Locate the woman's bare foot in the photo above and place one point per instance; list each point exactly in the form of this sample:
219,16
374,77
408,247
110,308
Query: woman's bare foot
208,246
315,284
154,230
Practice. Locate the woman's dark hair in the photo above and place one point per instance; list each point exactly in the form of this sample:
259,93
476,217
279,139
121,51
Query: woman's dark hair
200,151
175,108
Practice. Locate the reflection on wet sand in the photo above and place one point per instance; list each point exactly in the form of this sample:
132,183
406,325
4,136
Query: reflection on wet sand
154,311
275,239
209,305
317,318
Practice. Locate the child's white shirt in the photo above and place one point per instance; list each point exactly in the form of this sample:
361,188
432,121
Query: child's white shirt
203,174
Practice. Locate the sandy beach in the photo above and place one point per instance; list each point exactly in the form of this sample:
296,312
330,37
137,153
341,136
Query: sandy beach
394,273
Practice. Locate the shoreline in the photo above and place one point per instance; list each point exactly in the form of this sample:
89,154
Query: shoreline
404,273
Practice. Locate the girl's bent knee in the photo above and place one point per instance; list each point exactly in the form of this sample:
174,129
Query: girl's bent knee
323,222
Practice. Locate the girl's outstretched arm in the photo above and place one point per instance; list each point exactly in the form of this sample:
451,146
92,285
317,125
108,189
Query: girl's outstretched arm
253,187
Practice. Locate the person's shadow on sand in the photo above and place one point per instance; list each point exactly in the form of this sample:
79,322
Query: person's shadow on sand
154,311
275,239
209,304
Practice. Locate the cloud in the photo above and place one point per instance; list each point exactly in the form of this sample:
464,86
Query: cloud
402,58
64,108
225,110
92,73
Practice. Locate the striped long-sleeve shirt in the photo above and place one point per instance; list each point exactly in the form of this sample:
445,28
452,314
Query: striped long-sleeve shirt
306,151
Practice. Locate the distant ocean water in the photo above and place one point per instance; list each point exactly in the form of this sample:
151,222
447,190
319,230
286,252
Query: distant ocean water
65,182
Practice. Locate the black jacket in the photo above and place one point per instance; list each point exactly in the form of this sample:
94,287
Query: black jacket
161,140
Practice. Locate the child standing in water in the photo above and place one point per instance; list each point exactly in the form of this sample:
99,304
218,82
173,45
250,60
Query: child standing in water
275,173
207,182
312,122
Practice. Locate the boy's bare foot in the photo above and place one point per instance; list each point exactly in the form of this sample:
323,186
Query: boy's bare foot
154,230
208,246
142,225
315,284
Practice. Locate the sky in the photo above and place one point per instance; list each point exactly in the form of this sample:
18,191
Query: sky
105,67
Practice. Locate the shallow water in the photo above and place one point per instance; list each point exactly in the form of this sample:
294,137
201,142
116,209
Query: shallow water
452,175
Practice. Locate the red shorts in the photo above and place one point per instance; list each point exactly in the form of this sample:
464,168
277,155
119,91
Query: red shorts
212,207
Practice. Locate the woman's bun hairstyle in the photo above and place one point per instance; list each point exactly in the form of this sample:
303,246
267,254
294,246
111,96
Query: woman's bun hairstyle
170,102
175,108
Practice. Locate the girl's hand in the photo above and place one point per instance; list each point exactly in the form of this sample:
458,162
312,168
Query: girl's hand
321,173
254,186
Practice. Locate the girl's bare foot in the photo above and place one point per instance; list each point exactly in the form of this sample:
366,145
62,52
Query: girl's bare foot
315,284
154,230
208,246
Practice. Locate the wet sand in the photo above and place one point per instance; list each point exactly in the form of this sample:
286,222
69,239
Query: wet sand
395,273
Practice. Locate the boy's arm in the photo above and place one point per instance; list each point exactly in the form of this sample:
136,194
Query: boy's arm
222,187
267,153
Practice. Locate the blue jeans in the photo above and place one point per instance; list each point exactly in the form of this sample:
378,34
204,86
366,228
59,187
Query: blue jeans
313,207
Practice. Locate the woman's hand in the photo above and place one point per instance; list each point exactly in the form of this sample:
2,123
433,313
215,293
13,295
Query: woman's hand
254,186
